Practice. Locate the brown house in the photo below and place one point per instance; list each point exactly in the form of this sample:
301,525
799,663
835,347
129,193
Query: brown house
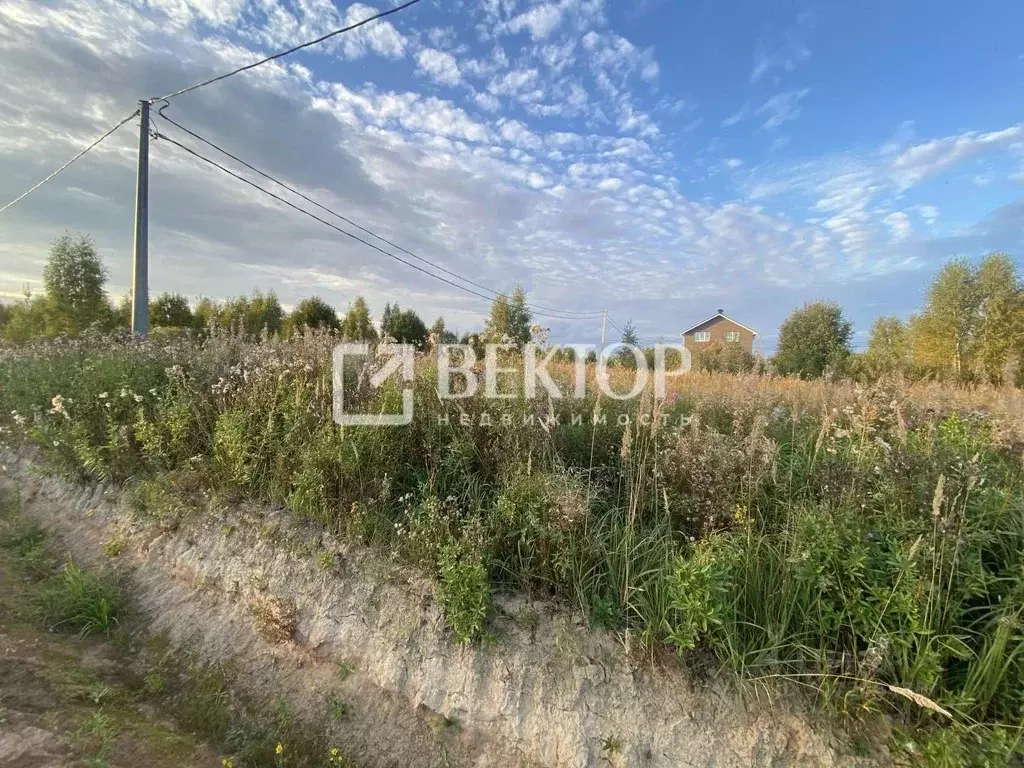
721,329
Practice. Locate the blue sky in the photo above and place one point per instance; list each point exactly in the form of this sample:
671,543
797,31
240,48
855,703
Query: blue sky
657,158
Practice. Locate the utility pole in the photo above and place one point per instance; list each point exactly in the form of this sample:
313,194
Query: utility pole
604,326
140,272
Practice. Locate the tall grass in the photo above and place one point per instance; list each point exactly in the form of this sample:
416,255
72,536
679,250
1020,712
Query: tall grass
865,543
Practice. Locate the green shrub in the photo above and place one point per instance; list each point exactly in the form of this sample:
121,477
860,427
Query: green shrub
79,601
463,590
848,538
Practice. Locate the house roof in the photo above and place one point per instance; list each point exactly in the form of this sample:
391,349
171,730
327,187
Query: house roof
715,317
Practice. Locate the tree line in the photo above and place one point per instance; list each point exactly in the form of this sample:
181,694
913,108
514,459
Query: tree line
971,327
74,300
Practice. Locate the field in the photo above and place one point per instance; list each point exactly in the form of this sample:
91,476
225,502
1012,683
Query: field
865,545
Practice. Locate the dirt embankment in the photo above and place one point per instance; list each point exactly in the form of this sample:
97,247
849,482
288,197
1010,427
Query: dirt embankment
314,620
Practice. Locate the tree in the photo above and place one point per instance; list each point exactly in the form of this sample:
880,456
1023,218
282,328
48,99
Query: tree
73,281
509,320
715,356
439,333
942,336
26,319
1000,326
264,314
888,347
121,313
388,313
250,316
313,312
624,355
405,327
358,325
205,315
170,310
813,340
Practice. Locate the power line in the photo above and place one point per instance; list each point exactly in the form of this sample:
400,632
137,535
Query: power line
247,67
290,204
28,192
556,313
569,314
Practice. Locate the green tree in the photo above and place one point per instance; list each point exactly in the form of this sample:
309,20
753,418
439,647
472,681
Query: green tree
264,314
942,336
1000,326
624,355
509,320
812,340
888,347
205,315
121,313
715,356
313,312
73,281
249,316
389,312
439,333
358,325
406,327
170,310
26,319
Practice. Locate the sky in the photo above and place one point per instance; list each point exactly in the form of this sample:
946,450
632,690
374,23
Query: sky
657,159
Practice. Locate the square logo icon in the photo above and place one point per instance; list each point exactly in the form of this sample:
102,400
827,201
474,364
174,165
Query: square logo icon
386,360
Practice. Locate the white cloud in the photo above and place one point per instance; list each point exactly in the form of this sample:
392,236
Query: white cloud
439,65
541,20
922,161
739,115
928,213
558,57
593,209
217,13
380,37
442,37
515,132
787,57
517,83
899,224
487,101
782,107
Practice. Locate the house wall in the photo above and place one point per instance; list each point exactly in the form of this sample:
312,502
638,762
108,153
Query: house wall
718,327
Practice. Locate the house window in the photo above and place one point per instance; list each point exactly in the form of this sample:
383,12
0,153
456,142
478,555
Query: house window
732,336
702,336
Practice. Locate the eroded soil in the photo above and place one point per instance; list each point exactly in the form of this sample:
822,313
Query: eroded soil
71,701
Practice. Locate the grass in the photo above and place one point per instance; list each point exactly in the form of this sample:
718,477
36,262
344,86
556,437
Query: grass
862,544
74,600
94,689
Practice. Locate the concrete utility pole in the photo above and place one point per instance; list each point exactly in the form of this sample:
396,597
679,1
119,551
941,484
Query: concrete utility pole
140,272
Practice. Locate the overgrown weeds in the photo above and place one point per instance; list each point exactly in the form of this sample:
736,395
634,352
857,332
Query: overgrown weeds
856,541
80,601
